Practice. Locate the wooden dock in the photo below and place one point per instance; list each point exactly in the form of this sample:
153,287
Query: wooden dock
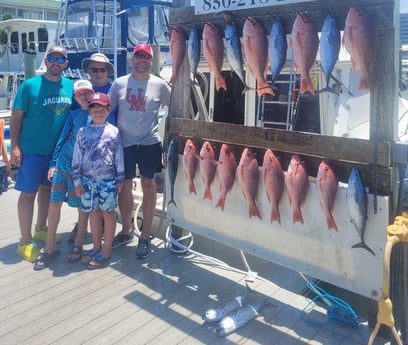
159,300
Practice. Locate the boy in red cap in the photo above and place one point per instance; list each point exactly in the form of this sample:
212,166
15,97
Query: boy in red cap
98,173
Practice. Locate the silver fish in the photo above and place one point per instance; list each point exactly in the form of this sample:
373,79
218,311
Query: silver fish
278,47
357,206
329,48
238,318
172,165
194,50
234,51
214,315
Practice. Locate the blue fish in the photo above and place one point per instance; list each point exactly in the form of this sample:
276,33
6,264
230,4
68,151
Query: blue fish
329,48
194,50
172,165
234,52
278,47
357,206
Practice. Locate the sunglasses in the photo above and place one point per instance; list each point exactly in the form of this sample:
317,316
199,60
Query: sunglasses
54,59
142,56
96,70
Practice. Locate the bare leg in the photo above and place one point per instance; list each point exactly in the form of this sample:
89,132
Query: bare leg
82,227
54,214
43,201
148,204
109,223
96,222
125,201
25,208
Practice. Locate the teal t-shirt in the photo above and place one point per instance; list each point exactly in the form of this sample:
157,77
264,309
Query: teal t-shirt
46,105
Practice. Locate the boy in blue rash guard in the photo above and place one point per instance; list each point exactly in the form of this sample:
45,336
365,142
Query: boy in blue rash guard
59,173
98,173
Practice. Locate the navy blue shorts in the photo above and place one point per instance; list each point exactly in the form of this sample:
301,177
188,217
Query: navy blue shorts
147,158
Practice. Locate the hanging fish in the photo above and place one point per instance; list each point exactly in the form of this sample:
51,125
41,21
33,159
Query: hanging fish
208,168
297,182
357,206
326,186
177,51
278,47
234,52
190,163
305,43
248,178
238,318
213,49
226,170
194,51
274,181
256,53
214,315
172,165
330,41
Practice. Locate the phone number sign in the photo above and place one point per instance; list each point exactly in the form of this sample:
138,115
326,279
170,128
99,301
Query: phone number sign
212,6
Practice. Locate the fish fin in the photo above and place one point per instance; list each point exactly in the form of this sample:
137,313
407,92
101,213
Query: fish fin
220,203
254,211
220,83
275,215
265,90
364,246
172,80
172,202
306,85
331,224
191,188
207,194
297,215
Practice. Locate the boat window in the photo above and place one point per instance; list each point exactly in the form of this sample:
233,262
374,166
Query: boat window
42,39
14,42
31,40
24,42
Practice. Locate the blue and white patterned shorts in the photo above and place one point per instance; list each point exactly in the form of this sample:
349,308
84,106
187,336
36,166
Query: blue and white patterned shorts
62,188
99,195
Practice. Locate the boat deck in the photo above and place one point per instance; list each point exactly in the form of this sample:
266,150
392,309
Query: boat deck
159,300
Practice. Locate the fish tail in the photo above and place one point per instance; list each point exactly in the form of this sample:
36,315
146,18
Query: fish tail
306,85
191,188
220,83
364,246
265,90
365,83
207,194
171,201
331,224
254,211
172,79
220,203
297,215
275,215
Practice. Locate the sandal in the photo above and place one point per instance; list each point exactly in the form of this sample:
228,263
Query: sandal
75,254
44,259
88,255
98,261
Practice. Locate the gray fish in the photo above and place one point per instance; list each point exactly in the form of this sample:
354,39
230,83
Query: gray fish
329,48
278,47
213,315
238,318
357,206
234,52
194,50
172,165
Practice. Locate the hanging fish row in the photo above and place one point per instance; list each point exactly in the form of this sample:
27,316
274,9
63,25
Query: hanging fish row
358,39
248,173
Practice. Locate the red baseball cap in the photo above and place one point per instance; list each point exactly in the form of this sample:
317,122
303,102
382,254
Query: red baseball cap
99,98
143,47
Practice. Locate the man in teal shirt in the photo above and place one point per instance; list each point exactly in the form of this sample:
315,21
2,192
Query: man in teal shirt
39,111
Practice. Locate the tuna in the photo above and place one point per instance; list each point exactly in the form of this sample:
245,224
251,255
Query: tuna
208,168
177,51
194,51
248,178
234,52
256,53
359,40
305,43
213,49
274,181
226,170
215,315
326,185
357,206
190,163
172,166
278,47
330,41
297,182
